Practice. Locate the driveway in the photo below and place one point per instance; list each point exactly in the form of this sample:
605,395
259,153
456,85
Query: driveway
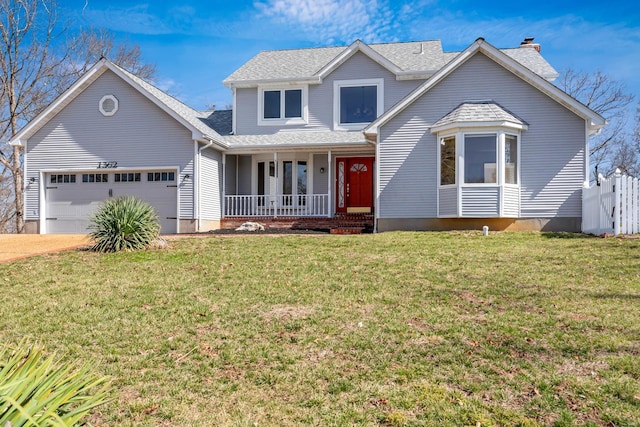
15,246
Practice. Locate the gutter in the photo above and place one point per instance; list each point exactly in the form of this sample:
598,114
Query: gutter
200,149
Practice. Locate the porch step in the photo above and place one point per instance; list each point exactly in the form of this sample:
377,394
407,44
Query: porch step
348,222
346,230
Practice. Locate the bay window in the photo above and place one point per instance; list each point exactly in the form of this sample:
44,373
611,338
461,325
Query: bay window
480,155
478,174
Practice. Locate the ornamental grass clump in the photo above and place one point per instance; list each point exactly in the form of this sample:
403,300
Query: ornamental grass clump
124,223
36,390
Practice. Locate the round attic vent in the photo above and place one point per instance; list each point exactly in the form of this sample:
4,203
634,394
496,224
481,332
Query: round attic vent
108,105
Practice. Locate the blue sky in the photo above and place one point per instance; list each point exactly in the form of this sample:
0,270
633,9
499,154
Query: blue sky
196,44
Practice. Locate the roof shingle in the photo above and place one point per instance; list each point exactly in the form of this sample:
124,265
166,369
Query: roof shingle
418,57
478,111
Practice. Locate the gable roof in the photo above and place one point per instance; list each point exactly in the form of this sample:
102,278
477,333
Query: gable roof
407,60
595,120
191,119
479,113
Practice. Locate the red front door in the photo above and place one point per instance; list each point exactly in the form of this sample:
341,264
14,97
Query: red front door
354,184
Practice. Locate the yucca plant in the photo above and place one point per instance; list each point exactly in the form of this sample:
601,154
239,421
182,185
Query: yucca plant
124,223
38,391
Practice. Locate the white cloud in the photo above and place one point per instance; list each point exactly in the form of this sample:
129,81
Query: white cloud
333,21
135,19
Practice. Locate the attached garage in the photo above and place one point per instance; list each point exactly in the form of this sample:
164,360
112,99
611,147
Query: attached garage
71,197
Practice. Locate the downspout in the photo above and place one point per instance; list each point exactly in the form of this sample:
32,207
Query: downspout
199,179
223,202
376,202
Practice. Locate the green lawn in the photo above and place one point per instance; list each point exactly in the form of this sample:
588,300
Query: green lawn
435,329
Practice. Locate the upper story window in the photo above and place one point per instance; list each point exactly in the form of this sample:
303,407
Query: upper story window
282,106
357,103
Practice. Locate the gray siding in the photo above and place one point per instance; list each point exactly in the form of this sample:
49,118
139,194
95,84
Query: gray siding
407,168
211,186
480,201
359,66
552,149
320,180
244,174
230,175
139,135
511,201
448,201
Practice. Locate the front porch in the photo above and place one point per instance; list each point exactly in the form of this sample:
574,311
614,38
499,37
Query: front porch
300,190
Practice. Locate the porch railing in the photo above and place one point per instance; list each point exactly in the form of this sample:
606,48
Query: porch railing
301,205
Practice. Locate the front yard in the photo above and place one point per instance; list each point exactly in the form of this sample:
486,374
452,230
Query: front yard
446,329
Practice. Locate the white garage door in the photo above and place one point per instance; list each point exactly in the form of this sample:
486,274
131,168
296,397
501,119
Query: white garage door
71,198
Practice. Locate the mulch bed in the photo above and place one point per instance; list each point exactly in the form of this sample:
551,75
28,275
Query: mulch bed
270,231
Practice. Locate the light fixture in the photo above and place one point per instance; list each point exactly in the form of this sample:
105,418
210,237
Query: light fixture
186,177
32,180
321,170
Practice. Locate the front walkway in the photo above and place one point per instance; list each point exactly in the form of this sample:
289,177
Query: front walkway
16,246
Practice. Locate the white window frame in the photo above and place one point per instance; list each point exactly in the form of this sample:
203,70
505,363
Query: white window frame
279,165
500,156
338,84
101,105
441,138
282,120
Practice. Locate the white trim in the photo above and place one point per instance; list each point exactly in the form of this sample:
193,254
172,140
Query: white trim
42,203
43,184
224,186
376,200
587,157
338,84
282,120
455,126
500,141
330,184
59,103
247,84
234,119
115,107
480,45
85,81
357,46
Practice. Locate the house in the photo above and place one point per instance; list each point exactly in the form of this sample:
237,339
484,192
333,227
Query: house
401,134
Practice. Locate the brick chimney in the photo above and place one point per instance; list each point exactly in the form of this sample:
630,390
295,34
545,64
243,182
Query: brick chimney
528,42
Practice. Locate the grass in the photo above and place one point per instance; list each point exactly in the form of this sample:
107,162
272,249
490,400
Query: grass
394,329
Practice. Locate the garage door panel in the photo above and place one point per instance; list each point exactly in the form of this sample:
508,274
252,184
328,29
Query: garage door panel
70,205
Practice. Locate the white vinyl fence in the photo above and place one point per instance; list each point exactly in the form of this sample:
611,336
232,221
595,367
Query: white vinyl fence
612,205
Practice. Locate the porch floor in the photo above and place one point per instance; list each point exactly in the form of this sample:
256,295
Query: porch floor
339,224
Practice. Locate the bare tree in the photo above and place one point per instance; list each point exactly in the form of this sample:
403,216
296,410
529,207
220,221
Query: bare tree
611,148
40,59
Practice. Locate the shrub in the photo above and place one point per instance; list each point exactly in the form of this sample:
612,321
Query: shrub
39,391
124,223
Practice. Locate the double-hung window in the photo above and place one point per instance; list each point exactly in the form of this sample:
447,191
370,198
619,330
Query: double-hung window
282,106
357,103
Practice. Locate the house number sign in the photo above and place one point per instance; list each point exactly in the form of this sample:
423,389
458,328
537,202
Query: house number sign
107,165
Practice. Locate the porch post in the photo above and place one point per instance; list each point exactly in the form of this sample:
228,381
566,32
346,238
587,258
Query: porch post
224,186
276,171
329,186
